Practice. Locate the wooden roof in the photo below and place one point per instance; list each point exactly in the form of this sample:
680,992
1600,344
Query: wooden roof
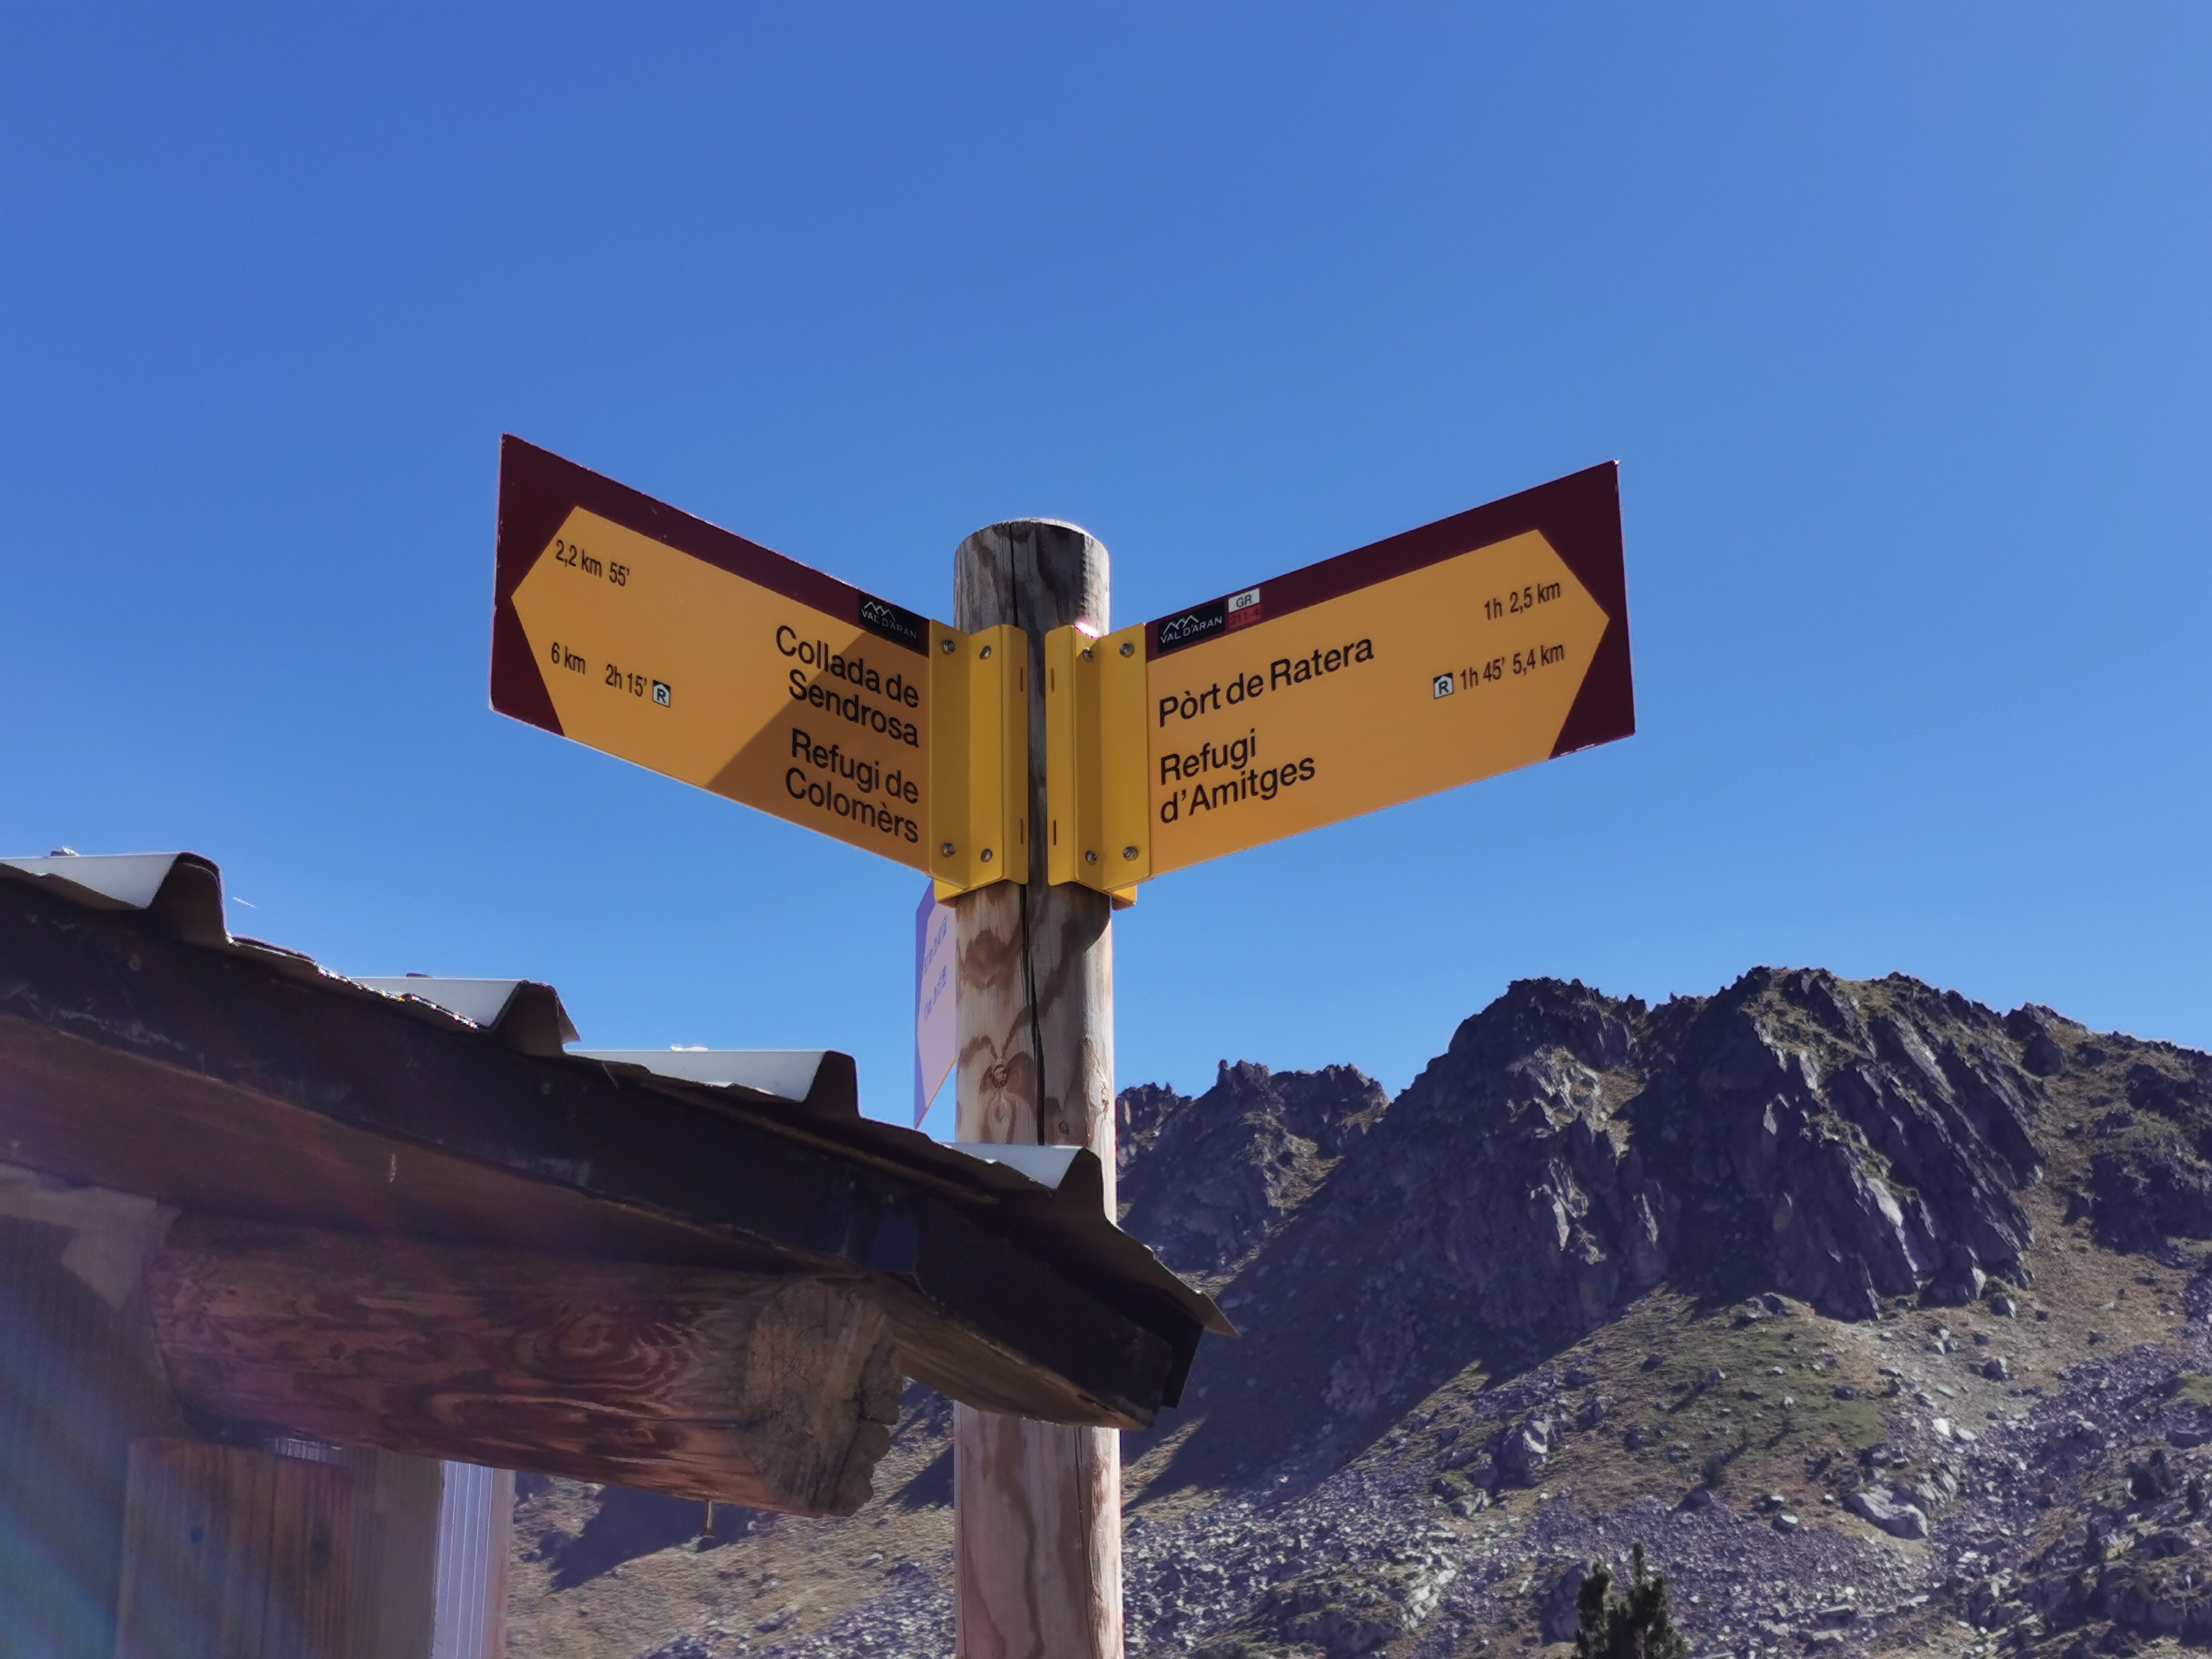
144,1049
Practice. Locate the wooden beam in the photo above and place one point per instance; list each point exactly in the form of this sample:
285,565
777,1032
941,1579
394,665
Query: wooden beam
234,1554
771,1391
215,1082
1036,1507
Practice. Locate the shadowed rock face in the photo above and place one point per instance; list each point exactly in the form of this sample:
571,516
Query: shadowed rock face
1866,1140
1861,1141
1207,1180
2151,1179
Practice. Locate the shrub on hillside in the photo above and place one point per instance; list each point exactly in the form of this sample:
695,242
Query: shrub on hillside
1639,1624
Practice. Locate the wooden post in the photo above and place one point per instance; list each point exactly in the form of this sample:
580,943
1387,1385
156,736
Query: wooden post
396,1504
234,1554
1036,1508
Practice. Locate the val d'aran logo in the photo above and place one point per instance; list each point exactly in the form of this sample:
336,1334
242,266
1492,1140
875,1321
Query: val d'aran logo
1188,627
882,616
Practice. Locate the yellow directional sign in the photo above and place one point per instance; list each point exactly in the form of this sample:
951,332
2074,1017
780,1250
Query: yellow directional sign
638,631
1485,642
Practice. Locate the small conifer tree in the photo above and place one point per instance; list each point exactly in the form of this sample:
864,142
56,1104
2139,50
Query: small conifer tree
1637,1625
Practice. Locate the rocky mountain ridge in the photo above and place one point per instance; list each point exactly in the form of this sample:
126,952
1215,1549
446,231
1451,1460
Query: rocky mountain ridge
1822,1287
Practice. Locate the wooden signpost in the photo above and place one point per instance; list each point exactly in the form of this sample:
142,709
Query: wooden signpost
1466,649
1036,1530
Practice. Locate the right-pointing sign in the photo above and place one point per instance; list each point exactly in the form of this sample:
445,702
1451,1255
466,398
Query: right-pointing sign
1486,641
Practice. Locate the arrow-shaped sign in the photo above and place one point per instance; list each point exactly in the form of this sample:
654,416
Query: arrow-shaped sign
1484,642
653,636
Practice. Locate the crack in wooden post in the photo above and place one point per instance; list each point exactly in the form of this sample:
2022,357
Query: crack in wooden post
1036,1507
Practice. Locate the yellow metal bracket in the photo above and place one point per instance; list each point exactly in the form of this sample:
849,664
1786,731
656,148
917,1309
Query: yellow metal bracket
1097,822
979,758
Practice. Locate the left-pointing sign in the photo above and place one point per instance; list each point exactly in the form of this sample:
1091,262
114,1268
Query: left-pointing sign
626,625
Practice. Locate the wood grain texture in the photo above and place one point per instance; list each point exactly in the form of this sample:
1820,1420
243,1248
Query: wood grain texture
1036,1508
1038,575
234,1554
393,1567
1036,1538
772,1392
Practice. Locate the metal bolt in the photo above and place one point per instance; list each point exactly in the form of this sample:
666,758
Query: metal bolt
986,855
1128,852
985,652
1086,654
947,648
1128,647
946,850
1090,858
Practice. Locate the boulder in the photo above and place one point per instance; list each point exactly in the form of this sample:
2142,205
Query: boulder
1349,1612
1557,1613
1521,1456
1899,1520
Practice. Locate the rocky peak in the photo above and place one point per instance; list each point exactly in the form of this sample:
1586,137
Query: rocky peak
1204,1181
1840,1142
1139,1113
1862,1139
1536,1015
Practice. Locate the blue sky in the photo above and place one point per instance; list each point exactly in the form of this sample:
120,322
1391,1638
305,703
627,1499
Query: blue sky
1894,317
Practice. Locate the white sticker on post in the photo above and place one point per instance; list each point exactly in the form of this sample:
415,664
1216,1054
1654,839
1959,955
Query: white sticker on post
936,1025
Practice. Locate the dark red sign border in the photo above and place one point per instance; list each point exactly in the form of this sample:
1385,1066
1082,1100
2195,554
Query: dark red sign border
1579,515
538,490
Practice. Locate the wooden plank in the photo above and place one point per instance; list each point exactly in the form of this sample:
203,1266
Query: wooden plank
1036,1507
234,1554
770,1391
397,1506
